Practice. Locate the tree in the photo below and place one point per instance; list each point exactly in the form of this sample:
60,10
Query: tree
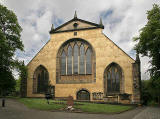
23,79
149,40
149,45
21,83
9,42
7,82
17,87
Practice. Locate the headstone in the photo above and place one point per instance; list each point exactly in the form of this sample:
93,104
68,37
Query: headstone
70,101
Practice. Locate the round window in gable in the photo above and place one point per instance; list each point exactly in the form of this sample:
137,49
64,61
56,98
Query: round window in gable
75,25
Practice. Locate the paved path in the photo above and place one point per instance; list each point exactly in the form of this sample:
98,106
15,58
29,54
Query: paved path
16,110
149,113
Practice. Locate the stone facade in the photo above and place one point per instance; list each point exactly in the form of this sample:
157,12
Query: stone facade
106,52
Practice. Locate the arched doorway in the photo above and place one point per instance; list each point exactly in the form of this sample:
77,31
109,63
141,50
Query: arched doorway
83,95
112,79
40,80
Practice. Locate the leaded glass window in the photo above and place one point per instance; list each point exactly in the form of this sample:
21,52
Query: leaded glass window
82,60
69,61
88,62
113,78
75,58
40,81
117,81
108,81
63,63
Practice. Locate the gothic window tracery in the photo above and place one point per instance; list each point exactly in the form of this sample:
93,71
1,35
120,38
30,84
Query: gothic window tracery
40,80
75,57
82,60
78,59
63,63
113,76
88,61
69,61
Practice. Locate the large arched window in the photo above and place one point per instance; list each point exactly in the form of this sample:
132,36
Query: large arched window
79,60
40,80
112,77
75,62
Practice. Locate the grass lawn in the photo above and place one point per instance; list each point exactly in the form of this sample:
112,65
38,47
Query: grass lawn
40,104
83,106
103,108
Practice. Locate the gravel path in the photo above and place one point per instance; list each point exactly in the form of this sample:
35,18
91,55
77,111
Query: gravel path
16,110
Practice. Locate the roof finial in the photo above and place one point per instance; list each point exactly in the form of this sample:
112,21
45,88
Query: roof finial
75,15
52,27
100,22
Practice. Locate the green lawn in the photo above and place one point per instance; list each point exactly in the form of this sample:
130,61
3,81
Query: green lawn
83,106
40,104
103,108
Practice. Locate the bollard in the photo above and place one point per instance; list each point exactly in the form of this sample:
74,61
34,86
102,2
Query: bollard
48,101
3,102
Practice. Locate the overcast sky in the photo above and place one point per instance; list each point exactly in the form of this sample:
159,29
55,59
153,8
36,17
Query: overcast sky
122,20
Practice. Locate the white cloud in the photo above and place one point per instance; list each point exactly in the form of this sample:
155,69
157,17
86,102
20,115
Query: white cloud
45,21
121,25
144,66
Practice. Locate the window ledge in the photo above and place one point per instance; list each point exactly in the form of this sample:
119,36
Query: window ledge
76,75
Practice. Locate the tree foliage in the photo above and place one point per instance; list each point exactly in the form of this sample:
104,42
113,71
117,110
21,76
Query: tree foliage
149,45
18,84
22,70
7,82
149,40
9,42
23,79
150,91
21,82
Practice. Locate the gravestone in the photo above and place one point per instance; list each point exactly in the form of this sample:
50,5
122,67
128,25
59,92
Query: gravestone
70,103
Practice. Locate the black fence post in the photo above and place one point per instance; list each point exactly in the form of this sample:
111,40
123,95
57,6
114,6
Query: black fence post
3,102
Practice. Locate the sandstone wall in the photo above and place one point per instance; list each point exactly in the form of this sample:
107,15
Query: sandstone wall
105,50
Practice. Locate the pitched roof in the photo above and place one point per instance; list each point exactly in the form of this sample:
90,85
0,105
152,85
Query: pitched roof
76,24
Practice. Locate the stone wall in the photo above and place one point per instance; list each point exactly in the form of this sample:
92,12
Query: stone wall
136,83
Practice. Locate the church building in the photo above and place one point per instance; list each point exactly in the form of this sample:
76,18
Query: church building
80,61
